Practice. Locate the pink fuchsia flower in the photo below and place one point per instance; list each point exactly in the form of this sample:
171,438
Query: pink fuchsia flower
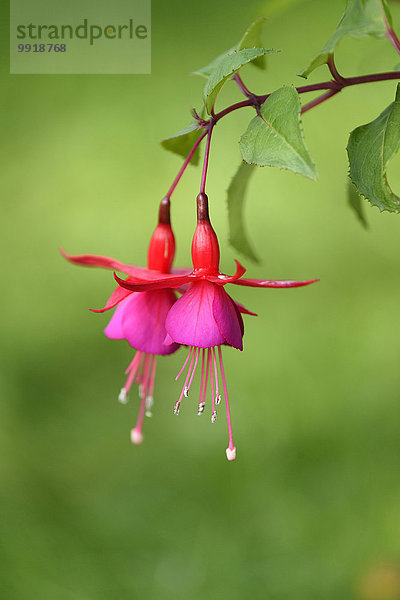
139,318
205,317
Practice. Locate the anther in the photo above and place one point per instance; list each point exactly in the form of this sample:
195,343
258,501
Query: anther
201,408
149,406
136,436
231,453
176,408
186,391
214,416
218,399
123,396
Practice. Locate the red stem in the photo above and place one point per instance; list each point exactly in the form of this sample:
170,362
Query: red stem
391,35
206,156
333,87
318,100
185,164
332,68
242,86
336,86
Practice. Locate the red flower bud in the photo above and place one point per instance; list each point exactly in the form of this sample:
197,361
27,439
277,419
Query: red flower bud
205,247
161,252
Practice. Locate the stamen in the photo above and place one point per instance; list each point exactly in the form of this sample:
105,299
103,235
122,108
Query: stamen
132,370
231,450
134,362
210,367
217,394
185,388
149,406
139,377
201,402
184,364
149,398
123,396
194,370
136,433
214,416
136,437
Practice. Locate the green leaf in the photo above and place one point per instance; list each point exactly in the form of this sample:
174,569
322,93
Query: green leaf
236,196
275,137
355,203
370,149
225,68
361,18
182,142
250,39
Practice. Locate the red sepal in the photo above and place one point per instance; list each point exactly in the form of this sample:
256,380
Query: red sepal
94,260
271,283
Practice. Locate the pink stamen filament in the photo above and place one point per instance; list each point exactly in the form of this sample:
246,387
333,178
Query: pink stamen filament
231,447
210,368
217,398
194,369
184,364
178,403
149,395
139,423
134,362
201,403
133,369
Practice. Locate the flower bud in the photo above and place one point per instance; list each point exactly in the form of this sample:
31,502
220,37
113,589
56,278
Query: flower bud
161,252
205,247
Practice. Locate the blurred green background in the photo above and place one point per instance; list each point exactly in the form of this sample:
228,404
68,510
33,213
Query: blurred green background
311,507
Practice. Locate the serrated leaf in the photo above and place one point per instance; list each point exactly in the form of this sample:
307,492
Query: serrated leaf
355,202
275,137
370,149
183,141
250,39
225,68
361,18
208,69
236,197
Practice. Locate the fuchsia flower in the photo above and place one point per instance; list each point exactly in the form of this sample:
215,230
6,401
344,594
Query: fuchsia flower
140,318
205,317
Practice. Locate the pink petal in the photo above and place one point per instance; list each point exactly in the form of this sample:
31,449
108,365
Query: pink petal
94,260
159,282
114,329
228,318
271,283
191,320
142,321
205,316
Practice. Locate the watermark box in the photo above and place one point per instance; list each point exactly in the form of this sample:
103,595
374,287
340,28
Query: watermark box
80,36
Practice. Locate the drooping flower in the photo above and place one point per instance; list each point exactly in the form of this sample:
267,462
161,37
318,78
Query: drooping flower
139,318
205,317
